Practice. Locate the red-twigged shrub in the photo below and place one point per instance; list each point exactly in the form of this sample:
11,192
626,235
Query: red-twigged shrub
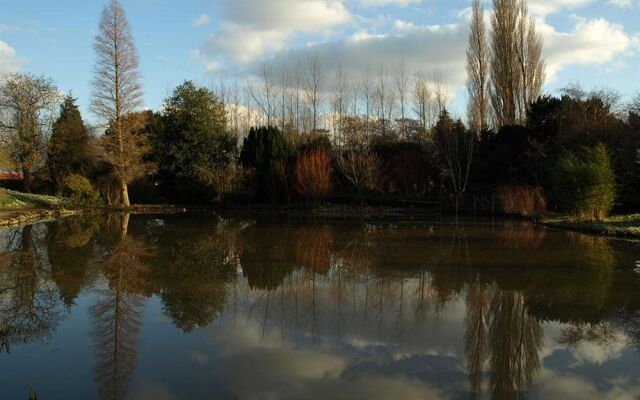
522,200
312,175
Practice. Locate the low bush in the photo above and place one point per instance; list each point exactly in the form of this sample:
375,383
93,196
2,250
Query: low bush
80,191
526,201
312,175
583,184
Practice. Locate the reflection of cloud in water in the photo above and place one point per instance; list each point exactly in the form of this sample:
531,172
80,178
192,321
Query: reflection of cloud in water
256,367
557,386
594,353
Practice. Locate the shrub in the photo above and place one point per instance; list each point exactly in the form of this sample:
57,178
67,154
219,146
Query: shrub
522,200
312,175
583,184
360,169
80,191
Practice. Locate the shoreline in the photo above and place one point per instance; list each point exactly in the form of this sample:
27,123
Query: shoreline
626,226
630,229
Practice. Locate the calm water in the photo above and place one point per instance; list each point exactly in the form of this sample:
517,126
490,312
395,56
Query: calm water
199,307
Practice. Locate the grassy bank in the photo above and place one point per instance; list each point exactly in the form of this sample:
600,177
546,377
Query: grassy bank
618,225
12,200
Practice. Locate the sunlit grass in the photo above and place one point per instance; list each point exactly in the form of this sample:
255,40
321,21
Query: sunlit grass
10,199
616,225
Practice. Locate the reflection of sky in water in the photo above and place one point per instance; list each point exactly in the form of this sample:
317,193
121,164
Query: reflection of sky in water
341,333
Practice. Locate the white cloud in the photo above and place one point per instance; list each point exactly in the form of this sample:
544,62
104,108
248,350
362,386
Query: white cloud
554,386
202,19
9,61
382,3
425,49
252,28
546,7
591,42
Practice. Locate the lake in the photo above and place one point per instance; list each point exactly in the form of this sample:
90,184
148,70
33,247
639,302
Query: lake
208,307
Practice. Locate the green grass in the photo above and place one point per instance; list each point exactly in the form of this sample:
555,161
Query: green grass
617,225
10,199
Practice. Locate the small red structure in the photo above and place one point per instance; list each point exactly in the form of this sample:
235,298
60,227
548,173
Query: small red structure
8,175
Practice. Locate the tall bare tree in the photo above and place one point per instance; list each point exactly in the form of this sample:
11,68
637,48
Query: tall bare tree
505,78
422,103
517,67
530,63
477,70
265,96
26,116
313,89
385,100
402,83
365,85
339,105
117,93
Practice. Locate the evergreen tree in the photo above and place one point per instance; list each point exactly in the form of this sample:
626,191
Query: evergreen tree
195,152
67,152
266,151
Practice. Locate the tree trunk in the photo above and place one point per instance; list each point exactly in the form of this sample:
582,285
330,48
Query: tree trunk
26,179
124,194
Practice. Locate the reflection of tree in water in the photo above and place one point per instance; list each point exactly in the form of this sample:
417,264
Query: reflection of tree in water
601,334
312,248
192,270
70,249
117,313
476,324
521,235
515,341
29,302
265,256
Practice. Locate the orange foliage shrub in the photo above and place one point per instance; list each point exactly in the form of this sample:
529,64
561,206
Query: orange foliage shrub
312,175
522,200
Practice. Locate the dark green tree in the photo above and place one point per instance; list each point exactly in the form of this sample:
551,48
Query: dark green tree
196,154
67,152
268,154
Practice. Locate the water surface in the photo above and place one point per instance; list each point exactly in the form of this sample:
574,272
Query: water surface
204,307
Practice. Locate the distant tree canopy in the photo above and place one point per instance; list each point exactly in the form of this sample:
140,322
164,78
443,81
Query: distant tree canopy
194,150
67,150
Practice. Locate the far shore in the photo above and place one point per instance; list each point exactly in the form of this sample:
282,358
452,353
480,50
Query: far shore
621,226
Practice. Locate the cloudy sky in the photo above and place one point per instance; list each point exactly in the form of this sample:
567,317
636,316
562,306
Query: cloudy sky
594,42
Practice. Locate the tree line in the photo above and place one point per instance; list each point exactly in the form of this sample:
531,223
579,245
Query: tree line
295,133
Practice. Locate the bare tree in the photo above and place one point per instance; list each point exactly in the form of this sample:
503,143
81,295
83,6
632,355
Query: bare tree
385,100
477,71
265,96
339,104
284,86
422,103
402,84
365,84
26,110
116,94
440,94
455,146
298,85
313,89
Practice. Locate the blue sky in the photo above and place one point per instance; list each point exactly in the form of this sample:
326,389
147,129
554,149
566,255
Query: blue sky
596,43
